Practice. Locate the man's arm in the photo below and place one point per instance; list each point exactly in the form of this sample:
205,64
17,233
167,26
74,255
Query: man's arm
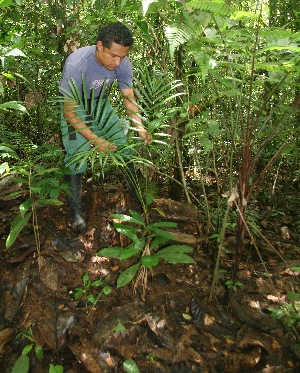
132,110
71,116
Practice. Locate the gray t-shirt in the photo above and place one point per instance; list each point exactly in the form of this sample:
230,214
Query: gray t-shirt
83,62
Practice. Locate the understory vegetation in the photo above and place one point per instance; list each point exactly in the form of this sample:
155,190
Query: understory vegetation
218,86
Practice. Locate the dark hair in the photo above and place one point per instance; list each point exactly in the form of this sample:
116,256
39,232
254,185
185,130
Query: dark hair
117,33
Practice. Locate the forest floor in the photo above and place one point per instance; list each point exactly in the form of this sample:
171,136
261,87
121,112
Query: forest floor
174,329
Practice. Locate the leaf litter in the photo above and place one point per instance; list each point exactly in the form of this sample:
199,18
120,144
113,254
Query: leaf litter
174,329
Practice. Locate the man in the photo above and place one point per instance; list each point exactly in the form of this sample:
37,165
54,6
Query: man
96,67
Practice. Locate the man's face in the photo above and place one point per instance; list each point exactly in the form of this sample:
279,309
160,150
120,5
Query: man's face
111,57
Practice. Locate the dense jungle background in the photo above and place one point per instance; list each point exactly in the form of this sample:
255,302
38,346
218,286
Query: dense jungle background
203,274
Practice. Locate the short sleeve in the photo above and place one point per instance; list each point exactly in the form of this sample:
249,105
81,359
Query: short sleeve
124,74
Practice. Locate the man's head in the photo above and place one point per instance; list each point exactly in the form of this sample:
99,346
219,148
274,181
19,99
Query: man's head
115,33
113,44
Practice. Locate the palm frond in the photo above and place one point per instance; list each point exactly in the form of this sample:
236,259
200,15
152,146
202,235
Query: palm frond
153,91
94,112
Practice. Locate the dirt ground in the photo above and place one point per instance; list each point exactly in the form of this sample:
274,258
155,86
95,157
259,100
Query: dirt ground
174,329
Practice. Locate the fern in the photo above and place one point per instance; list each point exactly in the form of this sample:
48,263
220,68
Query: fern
17,140
178,34
216,7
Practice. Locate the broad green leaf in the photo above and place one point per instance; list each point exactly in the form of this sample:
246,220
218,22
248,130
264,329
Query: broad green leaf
17,225
39,353
110,252
121,217
176,254
140,244
129,252
15,105
168,224
97,283
4,3
120,327
22,364
130,366
56,369
127,231
162,233
293,296
78,293
25,206
175,258
126,276
213,128
85,278
137,218
50,201
107,290
150,261
178,248
91,298
27,349
297,269
159,240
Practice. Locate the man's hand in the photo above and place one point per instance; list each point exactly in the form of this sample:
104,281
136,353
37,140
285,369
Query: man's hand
144,134
132,111
75,121
102,145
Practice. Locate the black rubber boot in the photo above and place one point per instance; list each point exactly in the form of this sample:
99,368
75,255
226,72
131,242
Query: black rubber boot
74,201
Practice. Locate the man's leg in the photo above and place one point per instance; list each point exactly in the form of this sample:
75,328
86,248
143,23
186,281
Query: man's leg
74,201
74,145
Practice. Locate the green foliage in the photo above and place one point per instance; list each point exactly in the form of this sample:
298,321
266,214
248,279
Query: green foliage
86,290
233,285
120,328
96,111
56,369
156,95
22,363
130,366
39,177
240,71
147,245
7,76
216,7
5,3
289,312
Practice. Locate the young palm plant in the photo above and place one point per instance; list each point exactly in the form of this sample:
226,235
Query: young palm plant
156,94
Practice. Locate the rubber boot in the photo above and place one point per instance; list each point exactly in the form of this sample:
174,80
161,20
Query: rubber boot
74,201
